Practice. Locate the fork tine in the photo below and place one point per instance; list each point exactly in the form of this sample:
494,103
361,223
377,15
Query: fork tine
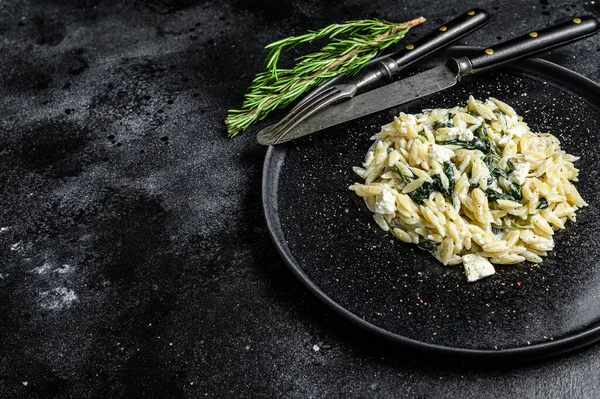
302,106
313,95
314,99
303,112
306,112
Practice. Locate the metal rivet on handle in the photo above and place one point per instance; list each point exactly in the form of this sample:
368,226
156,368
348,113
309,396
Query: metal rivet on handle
410,47
471,12
443,28
533,34
489,51
577,20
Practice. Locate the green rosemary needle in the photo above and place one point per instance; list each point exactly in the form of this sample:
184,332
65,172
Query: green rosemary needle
352,45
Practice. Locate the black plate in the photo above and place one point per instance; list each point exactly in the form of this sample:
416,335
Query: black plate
402,293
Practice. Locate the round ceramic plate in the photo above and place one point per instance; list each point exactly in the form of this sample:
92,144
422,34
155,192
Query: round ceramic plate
401,293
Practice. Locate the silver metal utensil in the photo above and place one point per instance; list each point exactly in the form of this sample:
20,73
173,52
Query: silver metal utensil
387,67
439,78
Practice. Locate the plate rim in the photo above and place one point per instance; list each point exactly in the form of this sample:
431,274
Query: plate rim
270,179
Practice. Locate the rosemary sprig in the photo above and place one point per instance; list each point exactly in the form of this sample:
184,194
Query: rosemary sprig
353,44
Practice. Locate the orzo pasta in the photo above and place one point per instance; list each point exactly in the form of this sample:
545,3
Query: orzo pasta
471,184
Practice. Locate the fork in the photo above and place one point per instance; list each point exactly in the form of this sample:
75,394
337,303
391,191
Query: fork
386,68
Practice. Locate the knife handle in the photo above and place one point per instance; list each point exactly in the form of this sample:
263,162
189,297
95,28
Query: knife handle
527,45
434,41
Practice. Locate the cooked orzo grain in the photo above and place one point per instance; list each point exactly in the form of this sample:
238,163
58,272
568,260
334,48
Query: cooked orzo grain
471,184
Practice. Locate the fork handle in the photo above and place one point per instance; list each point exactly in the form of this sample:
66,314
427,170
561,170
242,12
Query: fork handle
524,46
434,41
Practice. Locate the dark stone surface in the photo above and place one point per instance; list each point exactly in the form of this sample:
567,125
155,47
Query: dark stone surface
134,259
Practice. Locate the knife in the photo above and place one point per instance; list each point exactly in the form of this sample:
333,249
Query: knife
442,77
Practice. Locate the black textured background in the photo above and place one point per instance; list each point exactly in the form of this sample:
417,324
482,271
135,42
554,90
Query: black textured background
134,259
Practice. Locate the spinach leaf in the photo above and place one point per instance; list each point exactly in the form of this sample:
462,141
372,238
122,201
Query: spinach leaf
438,124
422,193
482,145
481,131
494,195
511,168
487,160
405,179
497,172
477,143
449,172
515,191
543,203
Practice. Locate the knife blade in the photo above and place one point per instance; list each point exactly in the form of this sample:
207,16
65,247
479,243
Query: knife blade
440,77
393,94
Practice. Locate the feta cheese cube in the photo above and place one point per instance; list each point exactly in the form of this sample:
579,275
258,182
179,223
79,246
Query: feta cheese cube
518,131
385,202
477,267
520,173
440,153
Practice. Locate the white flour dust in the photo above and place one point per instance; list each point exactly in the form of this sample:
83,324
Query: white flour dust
56,274
48,267
57,298
42,269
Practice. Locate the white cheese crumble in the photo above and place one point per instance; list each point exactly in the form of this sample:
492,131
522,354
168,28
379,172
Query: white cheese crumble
440,153
520,173
452,132
386,202
477,267
465,135
518,131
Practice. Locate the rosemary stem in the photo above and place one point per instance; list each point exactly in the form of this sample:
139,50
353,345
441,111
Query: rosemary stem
277,88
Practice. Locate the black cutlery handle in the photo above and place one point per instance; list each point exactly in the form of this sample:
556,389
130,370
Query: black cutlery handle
434,41
524,46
